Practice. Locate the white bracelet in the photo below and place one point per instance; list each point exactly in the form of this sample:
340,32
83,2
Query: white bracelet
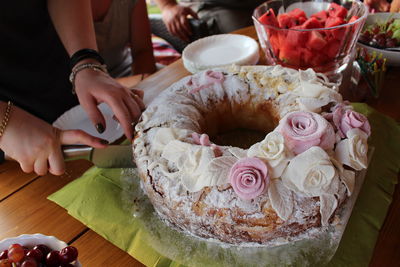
93,66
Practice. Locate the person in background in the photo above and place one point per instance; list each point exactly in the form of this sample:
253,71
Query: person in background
221,16
378,5
123,36
395,6
42,41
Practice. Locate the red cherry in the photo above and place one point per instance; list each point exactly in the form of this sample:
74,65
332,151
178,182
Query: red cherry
43,248
16,253
68,254
35,254
3,254
53,258
29,262
5,263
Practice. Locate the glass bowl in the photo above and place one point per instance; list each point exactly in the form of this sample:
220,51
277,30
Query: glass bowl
323,41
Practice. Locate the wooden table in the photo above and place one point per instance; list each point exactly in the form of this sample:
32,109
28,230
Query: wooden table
25,209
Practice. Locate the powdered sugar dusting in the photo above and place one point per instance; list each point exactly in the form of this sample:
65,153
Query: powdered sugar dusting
216,211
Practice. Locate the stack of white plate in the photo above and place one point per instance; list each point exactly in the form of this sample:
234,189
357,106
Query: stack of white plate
219,51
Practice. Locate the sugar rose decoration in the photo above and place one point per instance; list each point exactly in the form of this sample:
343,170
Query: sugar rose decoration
353,150
273,150
204,80
311,173
249,178
347,119
302,130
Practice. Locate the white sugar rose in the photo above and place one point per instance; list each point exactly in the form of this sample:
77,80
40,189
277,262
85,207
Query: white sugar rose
313,95
352,151
273,149
310,173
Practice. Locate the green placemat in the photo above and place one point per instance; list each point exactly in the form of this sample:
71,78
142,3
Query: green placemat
104,200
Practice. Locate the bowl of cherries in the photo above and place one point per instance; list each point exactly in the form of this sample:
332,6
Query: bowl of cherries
37,250
381,34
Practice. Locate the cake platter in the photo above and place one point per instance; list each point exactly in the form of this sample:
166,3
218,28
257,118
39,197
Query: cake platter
311,249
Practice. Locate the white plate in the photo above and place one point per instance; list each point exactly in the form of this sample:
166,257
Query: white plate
77,118
35,239
220,50
393,57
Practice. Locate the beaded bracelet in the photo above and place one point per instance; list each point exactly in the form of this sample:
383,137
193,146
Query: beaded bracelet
85,54
6,118
93,66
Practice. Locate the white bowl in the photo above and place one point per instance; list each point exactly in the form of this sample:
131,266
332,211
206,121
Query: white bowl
393,57
35,239
219,51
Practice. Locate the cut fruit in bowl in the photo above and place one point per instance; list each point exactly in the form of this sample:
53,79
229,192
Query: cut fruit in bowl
30,243
381,35
309,34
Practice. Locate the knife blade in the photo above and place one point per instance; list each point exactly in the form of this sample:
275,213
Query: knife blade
113,156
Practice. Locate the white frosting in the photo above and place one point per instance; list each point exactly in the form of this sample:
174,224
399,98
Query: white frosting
238,152
273,150
328,205
166,135
353,150
348,179
281,199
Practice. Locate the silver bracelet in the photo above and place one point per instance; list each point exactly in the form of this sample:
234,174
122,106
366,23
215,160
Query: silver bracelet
92,66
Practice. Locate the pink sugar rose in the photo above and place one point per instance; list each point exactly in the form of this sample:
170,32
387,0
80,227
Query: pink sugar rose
249,177
351,120
346,119
303,129
204,80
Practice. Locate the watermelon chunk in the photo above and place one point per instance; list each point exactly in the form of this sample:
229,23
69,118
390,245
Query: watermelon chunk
336,10
312,23
297,38
269,18
334,21
274,41
332,49
297,13
286,21
302,20
353,18
316,41
319,59
356,25
290,55
321,16
307,56
335,33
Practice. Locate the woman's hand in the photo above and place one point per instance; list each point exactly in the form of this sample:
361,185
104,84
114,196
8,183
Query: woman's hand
175,18
36,145
95,87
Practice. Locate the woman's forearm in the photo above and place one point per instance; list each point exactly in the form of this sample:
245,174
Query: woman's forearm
141,46
73,22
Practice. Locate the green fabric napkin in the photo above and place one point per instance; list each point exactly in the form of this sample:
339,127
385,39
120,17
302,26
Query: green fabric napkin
109,202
